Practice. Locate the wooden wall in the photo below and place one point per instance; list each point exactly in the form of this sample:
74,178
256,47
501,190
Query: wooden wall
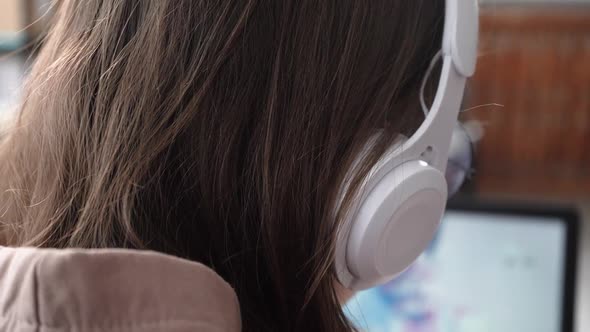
536,62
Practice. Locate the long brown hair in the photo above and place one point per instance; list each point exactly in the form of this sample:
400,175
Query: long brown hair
217,131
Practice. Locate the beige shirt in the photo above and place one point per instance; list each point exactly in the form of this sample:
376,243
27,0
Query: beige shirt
45,290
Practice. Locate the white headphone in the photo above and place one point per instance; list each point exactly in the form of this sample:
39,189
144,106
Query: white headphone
402,200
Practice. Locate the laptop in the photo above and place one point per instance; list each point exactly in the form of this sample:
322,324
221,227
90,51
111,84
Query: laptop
492,267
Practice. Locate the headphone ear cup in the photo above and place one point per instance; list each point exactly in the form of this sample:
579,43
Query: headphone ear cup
394,224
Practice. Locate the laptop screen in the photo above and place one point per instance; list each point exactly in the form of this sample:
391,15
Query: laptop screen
483,272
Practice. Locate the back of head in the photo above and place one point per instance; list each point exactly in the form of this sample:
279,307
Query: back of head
218,131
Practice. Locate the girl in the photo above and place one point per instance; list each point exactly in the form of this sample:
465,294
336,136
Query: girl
216,131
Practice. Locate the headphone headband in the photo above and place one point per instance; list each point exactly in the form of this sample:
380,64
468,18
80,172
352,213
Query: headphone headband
459,55
461,34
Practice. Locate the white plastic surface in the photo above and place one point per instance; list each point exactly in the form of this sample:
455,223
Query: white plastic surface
461,34
396,221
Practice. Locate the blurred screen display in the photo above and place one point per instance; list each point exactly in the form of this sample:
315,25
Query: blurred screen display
482,273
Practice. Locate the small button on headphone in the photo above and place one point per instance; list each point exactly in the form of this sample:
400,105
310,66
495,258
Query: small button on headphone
403,198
